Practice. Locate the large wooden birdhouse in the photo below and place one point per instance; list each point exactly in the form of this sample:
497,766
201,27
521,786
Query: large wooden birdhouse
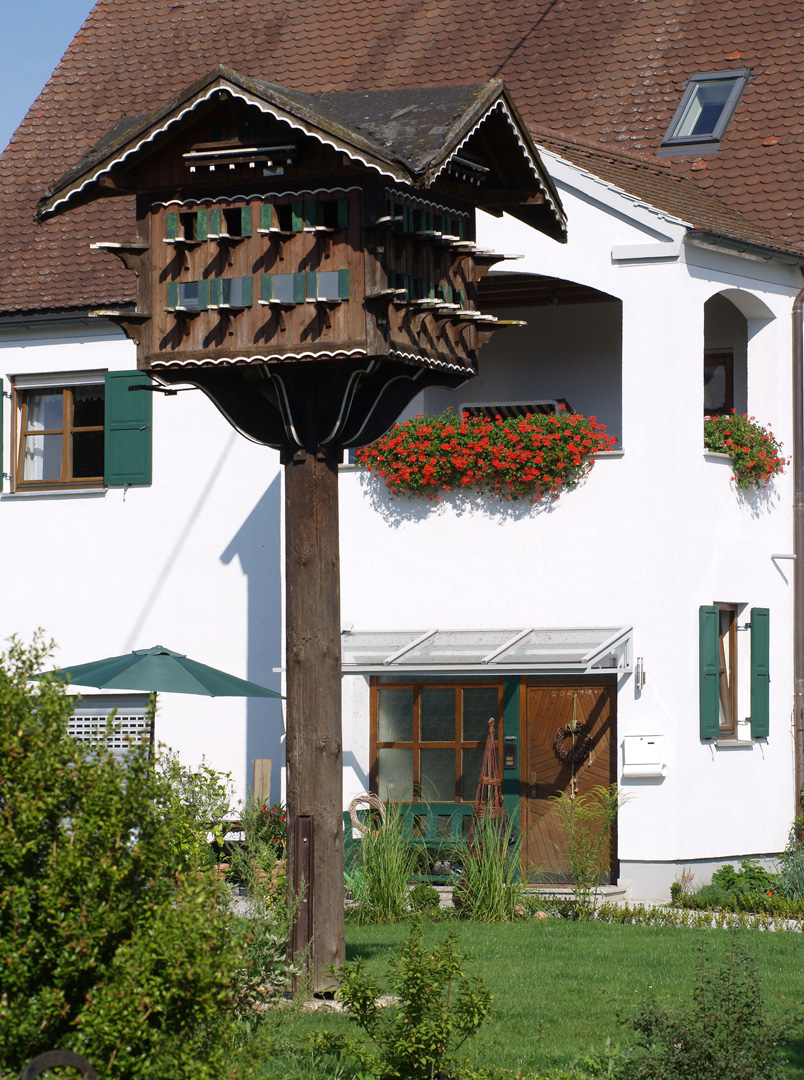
309,260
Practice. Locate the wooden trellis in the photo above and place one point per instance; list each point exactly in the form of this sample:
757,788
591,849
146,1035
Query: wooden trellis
489,799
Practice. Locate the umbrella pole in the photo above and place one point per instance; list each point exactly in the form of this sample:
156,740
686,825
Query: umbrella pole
314,741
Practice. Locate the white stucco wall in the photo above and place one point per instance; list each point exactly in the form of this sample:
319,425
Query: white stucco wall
194,560
652,534
190,562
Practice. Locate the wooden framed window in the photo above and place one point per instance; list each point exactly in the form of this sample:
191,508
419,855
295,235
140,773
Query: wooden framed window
719,669
427,738
61,436
718,382
92,432
727,645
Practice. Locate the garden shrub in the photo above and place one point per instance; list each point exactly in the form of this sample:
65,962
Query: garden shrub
424,899
265,922
198,802
439,1007
114,941
749,888
724,1034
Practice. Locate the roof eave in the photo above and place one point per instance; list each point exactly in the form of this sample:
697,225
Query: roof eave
72,190
746,247
496,96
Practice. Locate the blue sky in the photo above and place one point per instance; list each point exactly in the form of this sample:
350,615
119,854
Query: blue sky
32,46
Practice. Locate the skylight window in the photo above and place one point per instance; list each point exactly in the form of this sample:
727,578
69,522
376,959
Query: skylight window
704,112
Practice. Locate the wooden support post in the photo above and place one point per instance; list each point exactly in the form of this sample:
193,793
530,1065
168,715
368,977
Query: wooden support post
261,781
314,743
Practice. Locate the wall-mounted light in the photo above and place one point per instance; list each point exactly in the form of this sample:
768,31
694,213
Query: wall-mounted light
639,673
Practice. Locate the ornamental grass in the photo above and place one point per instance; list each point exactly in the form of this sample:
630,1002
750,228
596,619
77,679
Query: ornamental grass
754,451
522,457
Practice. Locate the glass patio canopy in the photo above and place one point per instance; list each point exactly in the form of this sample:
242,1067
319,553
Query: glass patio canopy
561,650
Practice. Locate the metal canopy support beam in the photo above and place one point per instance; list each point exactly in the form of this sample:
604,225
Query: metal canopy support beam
314,746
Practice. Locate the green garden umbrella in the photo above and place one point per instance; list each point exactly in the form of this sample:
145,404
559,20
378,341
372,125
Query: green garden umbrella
159,670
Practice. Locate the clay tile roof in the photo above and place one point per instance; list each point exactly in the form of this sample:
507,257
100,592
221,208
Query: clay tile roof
608,72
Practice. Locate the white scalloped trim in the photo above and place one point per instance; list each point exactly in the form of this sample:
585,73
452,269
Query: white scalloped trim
408,197
230,360
249,99
256,195
528,156
430,361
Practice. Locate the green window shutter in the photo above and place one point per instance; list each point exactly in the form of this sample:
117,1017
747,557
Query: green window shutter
172,225
296,218
172,294
247,291
266,215
709,656
215,291
298,288
267,287
201,224
128,424
310,212
215,221
343,213
311,285
407,219
760,673
203,295
343,284
461,229
245,221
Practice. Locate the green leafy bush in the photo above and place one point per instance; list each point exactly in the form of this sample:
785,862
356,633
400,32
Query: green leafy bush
724,1034
198,802
424,899
438,1008
749,888
112,942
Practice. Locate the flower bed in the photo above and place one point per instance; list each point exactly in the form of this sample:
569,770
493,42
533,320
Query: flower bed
754,451
528,457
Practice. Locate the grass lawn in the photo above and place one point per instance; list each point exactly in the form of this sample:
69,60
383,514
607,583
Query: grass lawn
560,988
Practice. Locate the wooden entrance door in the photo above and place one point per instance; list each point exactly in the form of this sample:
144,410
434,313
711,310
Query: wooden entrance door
548,706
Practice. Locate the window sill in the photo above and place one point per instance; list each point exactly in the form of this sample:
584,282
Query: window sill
352,466
731,743
49,492
714,455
